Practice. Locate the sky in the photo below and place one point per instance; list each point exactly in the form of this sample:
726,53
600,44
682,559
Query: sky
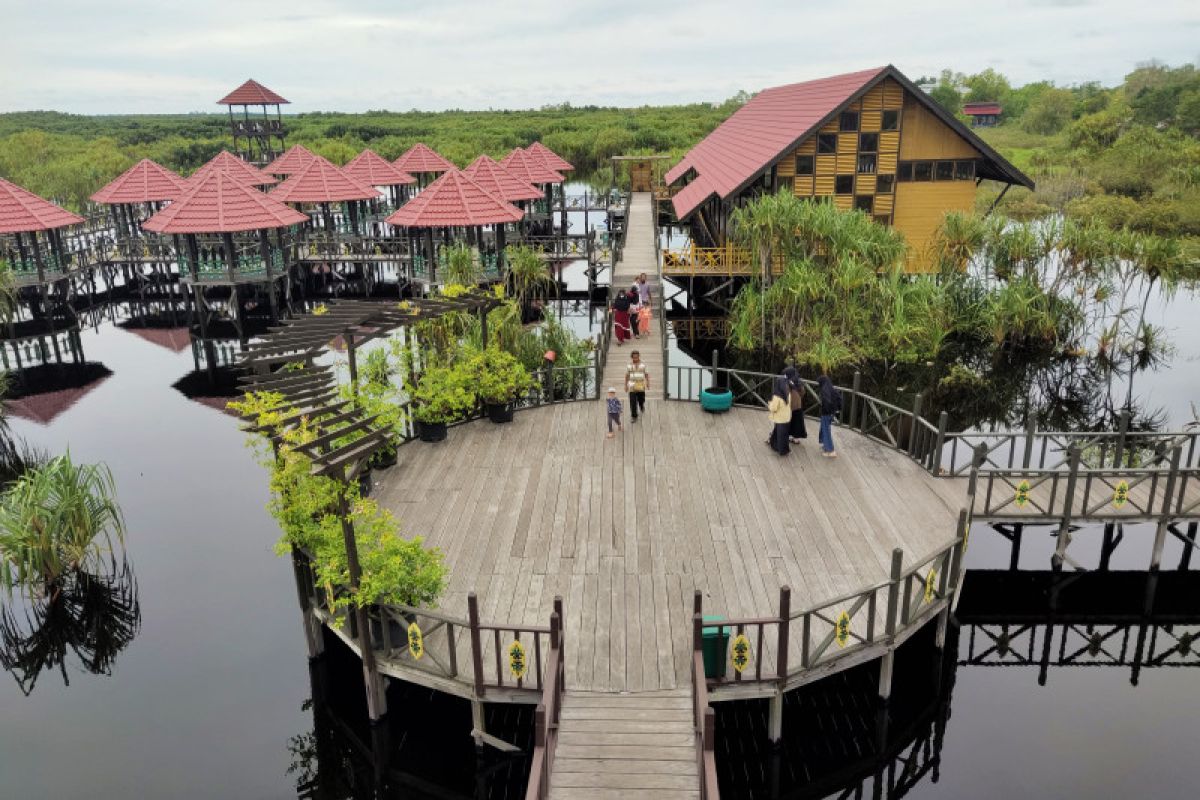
115,56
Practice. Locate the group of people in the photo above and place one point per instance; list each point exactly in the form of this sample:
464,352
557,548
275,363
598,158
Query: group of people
631,310
786,412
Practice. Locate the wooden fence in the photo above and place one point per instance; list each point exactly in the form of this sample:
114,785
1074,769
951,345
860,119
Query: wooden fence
548,712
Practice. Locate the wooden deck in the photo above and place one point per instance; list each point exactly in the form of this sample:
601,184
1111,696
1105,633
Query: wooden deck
626,529
632,746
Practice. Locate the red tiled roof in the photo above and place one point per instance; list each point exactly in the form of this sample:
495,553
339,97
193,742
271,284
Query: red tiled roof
22,211
454,200
227,162
529,168
295,159
374,170
144,182
972,109
691,196
422,158
772,121
550,158
499,181
220,203
321,182
251,93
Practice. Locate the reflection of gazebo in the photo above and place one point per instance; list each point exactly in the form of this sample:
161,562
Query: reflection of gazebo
44,392
454,201
374,170
207,217
322,183
422,161
145,183
230,164
548,157
294,160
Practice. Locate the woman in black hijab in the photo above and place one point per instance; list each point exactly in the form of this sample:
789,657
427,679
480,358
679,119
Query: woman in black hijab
831,405
796,429
779,410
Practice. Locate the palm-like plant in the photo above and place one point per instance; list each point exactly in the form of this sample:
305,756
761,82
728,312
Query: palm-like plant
527,274
768,227
461,267
55,521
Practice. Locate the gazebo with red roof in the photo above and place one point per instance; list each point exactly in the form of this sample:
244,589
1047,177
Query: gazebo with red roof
145,184
422,161
322,183
550,158
374,170
257,140
456,201
217,206
295,159
29,236
531,169
227,162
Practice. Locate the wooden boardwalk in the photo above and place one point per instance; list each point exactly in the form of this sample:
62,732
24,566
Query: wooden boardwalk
633,746
638,257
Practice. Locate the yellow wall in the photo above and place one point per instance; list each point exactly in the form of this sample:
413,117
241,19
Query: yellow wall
923,135
919,211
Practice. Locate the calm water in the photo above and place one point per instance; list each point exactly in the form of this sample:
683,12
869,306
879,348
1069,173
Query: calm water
213,697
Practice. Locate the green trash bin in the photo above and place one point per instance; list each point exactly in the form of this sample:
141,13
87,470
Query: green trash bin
714,645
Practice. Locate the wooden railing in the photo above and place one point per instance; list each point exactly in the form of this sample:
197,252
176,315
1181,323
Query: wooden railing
726,260
704,719
549,711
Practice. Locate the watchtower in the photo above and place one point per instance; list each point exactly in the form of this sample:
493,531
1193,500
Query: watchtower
257,139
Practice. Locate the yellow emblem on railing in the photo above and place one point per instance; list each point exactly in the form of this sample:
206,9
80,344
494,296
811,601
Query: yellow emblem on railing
1121,494
842,629
930,584
1022,495
517,663
739,652
416,641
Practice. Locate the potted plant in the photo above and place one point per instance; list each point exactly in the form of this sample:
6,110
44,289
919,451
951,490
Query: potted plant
441,396
716,399
500,380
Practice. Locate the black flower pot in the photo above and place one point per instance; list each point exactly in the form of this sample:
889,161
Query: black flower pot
431,431
382,459
499,412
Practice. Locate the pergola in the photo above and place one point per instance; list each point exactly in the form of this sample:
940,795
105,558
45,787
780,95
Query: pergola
550,158
374,170
454,201
216,207
292,161
421,160
228,163
145,183
322,183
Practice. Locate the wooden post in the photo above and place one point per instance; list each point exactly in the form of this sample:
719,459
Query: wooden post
854,391
885,664
912,430
775,718
935,457
376,698
1122,431
1064,525
476,646
353,361
1164,519
1030,435
785,621
264,249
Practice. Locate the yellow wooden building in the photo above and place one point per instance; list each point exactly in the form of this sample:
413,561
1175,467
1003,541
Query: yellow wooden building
869,140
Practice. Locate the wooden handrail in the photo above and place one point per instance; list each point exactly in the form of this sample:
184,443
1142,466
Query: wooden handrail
549,711
703,717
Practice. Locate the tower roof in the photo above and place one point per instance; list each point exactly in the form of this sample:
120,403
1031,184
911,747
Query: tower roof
321,182
550,158
251,93
220,203
422,158
22,211
227,162
374,170
529,168
454,200
144,182
295,159
499,181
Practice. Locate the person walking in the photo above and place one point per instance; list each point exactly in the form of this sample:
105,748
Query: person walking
643,287
831,405
620,308
796,429
779,411
614,412
634,318
637,381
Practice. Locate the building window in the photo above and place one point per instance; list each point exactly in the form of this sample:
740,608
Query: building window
849,121
804,165
945,171
826,142
883,184
868,142
883,219
905,171
891,120
964,170
865,202
922,170
844,184
866,163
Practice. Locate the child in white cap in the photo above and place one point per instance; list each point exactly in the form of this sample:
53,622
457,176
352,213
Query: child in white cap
614,412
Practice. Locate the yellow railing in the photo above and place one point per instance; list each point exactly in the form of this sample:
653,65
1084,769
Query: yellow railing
725,260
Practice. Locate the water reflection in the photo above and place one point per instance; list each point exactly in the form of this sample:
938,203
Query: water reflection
92,616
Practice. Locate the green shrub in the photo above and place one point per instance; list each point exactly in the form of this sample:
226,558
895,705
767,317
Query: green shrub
499,376
444,394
